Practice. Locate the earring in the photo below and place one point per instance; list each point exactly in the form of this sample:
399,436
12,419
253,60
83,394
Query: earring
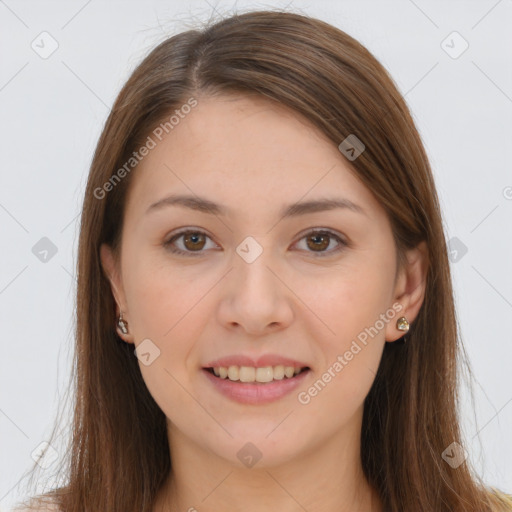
403,325
122,324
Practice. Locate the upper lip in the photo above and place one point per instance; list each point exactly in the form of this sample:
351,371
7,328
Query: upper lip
262,361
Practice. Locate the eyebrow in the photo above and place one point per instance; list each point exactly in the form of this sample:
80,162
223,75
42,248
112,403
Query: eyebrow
204,205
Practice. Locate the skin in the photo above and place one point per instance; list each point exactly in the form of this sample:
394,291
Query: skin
254,158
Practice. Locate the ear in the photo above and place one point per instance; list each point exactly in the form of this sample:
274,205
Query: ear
410,287
111,269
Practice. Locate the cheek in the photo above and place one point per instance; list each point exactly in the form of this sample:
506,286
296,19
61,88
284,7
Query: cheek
350,350
354,308
349,301
166,309
162,298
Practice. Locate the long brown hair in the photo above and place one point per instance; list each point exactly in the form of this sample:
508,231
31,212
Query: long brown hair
118,454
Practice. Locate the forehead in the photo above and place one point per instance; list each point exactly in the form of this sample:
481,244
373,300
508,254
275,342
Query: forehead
244,149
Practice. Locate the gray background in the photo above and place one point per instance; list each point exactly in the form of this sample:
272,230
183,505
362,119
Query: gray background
52,110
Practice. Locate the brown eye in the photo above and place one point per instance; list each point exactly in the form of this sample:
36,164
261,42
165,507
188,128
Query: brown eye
192,243
318,241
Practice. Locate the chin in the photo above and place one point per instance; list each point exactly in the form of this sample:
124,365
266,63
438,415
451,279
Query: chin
257,449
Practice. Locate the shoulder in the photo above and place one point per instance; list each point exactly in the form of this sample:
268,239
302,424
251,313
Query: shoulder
504,500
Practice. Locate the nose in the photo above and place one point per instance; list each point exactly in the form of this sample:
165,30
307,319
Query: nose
256,297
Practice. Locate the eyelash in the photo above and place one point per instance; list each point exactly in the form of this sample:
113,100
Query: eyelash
320,254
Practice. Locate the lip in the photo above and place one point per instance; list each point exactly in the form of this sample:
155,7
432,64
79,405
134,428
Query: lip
253,392
260,362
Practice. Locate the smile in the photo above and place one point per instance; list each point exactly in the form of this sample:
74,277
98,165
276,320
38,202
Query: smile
260,375
251,385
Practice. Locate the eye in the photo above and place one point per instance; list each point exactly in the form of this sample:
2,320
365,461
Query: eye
194,241
319,240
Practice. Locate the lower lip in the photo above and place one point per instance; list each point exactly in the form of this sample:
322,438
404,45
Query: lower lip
256,393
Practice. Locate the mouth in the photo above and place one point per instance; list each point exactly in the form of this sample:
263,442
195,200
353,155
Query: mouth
260,375
252,385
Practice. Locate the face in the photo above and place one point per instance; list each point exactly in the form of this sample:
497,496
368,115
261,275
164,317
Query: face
315,289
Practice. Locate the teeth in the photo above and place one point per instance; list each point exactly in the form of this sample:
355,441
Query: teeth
233,373
264,374
246,374
289,371
278,372
251,374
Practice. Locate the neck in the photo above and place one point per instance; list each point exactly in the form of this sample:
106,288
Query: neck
325,478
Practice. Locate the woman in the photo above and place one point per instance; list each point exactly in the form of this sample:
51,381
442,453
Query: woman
265,317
